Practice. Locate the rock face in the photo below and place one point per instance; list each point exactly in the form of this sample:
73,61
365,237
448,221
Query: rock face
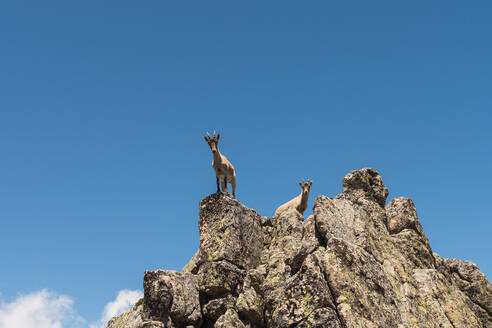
354,263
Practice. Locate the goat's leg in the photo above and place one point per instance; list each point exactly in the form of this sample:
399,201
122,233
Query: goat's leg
218,188
233,184
224,185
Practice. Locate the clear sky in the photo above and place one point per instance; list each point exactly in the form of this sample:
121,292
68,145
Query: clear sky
104,104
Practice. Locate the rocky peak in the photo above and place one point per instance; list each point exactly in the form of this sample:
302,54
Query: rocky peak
365,183
354,263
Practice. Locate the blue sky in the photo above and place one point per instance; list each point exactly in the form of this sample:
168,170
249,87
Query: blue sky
104,105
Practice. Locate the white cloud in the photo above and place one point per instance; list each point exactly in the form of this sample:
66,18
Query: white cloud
124,300
46,309
41,309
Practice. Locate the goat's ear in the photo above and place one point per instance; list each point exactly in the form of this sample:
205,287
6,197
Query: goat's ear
300,184
205,139
218,137
310,183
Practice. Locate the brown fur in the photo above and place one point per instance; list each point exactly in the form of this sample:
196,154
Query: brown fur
300,202
224,171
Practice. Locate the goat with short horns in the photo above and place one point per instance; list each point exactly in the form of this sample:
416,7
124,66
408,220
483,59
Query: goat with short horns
224,171
300,202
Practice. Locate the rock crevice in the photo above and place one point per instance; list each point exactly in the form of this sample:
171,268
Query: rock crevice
356,262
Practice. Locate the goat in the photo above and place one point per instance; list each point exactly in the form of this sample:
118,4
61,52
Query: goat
300,202
224,171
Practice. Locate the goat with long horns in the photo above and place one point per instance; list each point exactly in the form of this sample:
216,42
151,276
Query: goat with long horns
224,171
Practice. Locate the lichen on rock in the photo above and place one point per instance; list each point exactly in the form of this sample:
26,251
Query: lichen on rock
171,296
354,263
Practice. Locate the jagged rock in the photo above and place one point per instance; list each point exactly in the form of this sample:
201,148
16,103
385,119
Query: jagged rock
230,232
229,320
250,302
361,225
401,214
439,302
172,295
415,248
293,238
219,278
321,318
365,183
153,324
217,307
407,233
354,263
299,296
363,294
472,282
129,319
193,265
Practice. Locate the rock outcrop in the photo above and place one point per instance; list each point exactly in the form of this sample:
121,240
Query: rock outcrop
354,263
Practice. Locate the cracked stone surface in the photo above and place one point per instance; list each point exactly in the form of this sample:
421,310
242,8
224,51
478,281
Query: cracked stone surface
356,262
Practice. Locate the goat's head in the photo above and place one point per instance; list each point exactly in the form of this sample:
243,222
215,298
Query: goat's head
306,186
212,141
